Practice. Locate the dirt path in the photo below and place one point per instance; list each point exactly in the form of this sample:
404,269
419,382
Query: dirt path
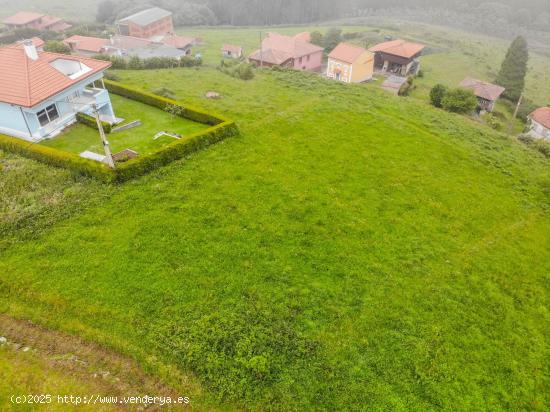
34,360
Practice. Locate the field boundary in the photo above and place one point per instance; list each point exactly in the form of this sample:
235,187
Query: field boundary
220,129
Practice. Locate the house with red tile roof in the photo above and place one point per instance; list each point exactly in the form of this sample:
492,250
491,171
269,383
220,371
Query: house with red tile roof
286,51
85,45
397,57
350,64
41,92
38,21
231,51
539,126
487,93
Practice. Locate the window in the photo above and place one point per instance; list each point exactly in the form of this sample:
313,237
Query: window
300,60
49,114
308,56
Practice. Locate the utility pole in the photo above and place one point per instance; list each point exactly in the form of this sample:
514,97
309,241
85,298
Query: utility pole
106,147
510,130
261,51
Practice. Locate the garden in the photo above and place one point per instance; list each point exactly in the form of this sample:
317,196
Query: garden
141,139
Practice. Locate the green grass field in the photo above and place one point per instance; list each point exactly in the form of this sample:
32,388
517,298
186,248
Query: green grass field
79,137
350,250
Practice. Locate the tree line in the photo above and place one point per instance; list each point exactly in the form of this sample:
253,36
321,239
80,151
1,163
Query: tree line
271,12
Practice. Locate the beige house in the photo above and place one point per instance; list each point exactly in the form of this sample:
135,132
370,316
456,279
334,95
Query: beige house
350,64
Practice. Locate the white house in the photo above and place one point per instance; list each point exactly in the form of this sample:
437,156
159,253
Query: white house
540,123
41,92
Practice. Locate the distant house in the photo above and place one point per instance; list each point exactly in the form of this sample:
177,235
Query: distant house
487,93
84,45
126,46
179,42
230,51
285,51
539,127
41,92
397,57
350,64
37,21
147,23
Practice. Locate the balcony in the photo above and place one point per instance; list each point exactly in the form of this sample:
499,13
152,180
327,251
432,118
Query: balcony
90,96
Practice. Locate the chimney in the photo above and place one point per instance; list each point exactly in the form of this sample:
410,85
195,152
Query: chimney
30,49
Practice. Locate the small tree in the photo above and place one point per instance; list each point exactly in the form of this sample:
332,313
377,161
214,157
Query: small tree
459,101
55,46
332,39
514,68
437,94
317,38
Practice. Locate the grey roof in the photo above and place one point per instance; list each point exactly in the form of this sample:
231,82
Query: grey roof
146,17
156,50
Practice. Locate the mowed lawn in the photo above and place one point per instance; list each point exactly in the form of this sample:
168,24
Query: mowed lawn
350,250
79,137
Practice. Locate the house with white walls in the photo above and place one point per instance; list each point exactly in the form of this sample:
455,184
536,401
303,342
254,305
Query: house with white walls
41,92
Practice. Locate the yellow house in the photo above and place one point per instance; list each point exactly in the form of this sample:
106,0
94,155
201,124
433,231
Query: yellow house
350,64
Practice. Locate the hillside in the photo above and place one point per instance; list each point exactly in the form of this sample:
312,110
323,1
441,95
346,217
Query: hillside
349,248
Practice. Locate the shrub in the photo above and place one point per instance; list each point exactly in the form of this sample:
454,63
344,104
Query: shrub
459,101
437,94
136,63
537,144
407,87
237,69
55,46
91,122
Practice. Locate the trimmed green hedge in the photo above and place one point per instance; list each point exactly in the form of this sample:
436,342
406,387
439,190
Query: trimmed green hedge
91,122
221,129
188,112
57,158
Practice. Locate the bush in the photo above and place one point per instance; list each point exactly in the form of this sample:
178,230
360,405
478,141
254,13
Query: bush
537,144
407,87
459,101
437,94
91,122
55,46
237,69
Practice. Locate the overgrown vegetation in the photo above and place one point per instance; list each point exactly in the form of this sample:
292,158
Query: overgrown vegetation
237,68
458,100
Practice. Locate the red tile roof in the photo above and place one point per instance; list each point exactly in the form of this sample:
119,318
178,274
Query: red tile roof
487,91
304,36
26,82
84,43
232,48
347,53
271,56
399,48
23,17
542,116
179,42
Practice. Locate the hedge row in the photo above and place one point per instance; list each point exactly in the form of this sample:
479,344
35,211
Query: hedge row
57,158
174,151
188,112
221,129
91,122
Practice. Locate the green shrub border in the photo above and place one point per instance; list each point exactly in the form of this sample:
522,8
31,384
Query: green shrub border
91,122
221,128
